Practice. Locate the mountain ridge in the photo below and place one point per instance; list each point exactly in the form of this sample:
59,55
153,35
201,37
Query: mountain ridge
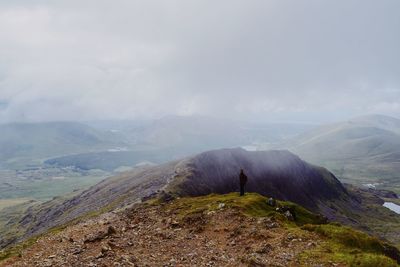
187,178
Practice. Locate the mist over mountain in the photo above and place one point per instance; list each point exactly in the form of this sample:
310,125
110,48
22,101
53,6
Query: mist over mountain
360,137
364,150
206,131
279,174
108,145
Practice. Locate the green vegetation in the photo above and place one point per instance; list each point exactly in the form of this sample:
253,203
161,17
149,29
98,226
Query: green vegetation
351,247
44,183
375,218
5,203
340,244
252,204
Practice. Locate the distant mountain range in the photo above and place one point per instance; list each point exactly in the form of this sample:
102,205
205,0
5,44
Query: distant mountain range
363,150
198,133
108,145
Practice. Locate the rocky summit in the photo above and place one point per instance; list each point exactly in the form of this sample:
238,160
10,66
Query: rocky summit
213,230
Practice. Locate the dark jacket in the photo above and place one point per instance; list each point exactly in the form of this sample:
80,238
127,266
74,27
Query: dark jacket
243,178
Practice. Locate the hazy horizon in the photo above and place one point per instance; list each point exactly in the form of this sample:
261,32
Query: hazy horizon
261,61
197,116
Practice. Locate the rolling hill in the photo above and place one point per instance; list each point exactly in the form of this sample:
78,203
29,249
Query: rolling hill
363,150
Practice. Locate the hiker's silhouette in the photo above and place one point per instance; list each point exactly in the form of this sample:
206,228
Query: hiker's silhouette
243,181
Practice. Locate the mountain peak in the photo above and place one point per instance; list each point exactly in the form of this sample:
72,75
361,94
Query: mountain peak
277,173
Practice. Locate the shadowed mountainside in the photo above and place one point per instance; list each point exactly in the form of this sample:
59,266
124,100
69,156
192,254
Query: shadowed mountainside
275,173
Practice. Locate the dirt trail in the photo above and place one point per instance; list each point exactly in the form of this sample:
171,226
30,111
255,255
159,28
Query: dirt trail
157,236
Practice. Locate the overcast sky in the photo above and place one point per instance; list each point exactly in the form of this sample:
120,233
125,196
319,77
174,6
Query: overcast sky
260,60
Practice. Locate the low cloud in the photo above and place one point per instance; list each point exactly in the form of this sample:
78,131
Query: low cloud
258,60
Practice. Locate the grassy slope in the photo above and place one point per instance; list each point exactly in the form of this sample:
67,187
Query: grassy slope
252,204
47,188
341,244
377,219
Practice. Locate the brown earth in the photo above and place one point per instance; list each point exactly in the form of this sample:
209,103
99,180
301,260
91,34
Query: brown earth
156,235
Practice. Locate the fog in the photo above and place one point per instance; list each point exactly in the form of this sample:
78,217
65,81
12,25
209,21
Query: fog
303,61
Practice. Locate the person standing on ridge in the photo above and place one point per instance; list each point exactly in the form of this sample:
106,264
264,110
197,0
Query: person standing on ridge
243,181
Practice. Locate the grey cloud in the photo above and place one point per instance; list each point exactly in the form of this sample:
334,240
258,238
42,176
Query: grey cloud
260,60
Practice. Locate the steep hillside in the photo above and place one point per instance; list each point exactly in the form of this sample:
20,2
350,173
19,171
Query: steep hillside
363,150
279,174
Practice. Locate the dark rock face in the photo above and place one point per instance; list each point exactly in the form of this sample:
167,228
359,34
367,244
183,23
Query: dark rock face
278,174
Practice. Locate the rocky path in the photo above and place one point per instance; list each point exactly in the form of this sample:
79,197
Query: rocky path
157,236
